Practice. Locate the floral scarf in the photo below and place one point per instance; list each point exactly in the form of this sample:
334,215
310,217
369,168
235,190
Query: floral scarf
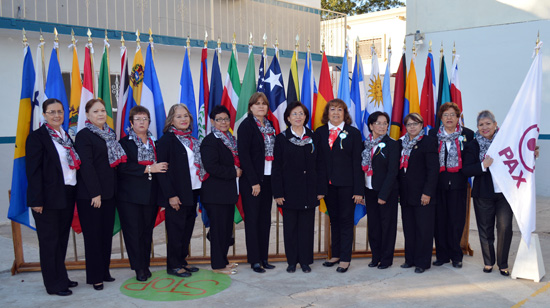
454,155
191,142
268,132
230,142
146,155
366,155
408,145
114,149
72,157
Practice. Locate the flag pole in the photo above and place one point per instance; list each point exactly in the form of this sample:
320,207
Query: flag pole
454,51
151,43
25,44
277,47
297,46
265,51
89,33
250,45
430,49
537,43
106,45
440,56
42,56
56,40
73,40
308,53
205,39
188,45
219,49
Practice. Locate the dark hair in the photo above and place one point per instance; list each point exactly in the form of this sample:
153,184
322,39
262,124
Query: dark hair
137,110
446,107
413,117
289,109
91,102
373,117
172,114
48,102
217,110
254,98
336,103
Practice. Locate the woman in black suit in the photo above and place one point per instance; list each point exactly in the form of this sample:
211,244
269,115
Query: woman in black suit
294,182
340,178
452,185
256,141
180,186
418,171
137,191
51,164
380,162
219,191
100,154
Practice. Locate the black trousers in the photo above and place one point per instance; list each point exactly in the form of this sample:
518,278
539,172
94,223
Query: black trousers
52,228
450,217
97,228
382,226
341,209
418,229
221,232
298,230
487,211
179,229
137,222
257,219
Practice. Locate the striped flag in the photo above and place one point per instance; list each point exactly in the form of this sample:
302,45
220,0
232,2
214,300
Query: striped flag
456,95
87,86
247,90
358,94
18,210
204,93
151,96
444,93
187,92
398,99
375,97
104,85
427,101
293,90
308,87
76,90
411,95
232,89
324,95
343,88
55,88
122,92
216,87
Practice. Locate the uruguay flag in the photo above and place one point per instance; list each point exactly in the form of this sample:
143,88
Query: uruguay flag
358,95
18,210
386,92
187,93
151,96
55,88
343,89
275,92
308,86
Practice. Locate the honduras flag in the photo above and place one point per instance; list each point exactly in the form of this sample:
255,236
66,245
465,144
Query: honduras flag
151,96
358,95
343,88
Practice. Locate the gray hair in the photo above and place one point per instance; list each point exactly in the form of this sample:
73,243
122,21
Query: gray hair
485,114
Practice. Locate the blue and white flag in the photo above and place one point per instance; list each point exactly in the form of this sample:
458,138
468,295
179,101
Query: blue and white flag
187,93
151,96
55,88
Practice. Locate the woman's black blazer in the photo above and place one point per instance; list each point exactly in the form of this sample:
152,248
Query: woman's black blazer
177,180
340,165
134,185
46,184
95,176
250,143
422,172
454,180
385,167
221,186
483,186
294,174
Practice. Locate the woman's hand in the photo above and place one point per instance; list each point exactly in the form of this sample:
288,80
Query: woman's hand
537,152
175,203
357,199
256,190
38,209
158,168
96,201
239,172
319,197
487,162
380,201
425,200
279,201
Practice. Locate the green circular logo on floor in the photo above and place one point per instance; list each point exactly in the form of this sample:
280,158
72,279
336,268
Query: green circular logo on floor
164,287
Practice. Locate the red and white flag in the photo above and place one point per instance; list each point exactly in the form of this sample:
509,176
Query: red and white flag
456,95
513,150
87,86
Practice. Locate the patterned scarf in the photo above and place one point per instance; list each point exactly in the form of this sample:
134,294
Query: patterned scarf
146,155
299,142
484,144
72,157
366,155
408,145
230,142
454,155
268,132
195,145
114,149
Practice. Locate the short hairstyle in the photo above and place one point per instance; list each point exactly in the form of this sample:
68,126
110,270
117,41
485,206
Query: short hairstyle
413,117
446,107
217,110
92,102
373,117
254,98
137,110
485,114
172,114
336,103
50,101
292,106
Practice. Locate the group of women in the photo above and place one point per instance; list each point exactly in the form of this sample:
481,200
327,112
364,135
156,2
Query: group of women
427,172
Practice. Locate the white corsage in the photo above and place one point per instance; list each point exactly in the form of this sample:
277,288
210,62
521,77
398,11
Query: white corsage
343,135
381,145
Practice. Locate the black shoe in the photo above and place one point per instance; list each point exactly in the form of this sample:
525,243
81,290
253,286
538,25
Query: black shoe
305,268
383,266
148,273
73,284
373,264
190,269
62,293
257,267
175,272
291,268
141,275
98,286
457,264
330,264
109,279
505,273
341,269
487,270
439,263
419,270
267,265
406,265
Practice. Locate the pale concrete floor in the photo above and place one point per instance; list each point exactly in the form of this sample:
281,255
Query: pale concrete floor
360,287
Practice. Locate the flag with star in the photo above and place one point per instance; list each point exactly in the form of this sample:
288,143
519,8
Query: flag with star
275,92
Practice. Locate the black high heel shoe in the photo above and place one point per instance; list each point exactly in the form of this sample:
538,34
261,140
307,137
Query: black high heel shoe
330,264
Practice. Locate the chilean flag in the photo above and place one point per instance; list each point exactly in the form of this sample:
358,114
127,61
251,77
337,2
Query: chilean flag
275,92
456,95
